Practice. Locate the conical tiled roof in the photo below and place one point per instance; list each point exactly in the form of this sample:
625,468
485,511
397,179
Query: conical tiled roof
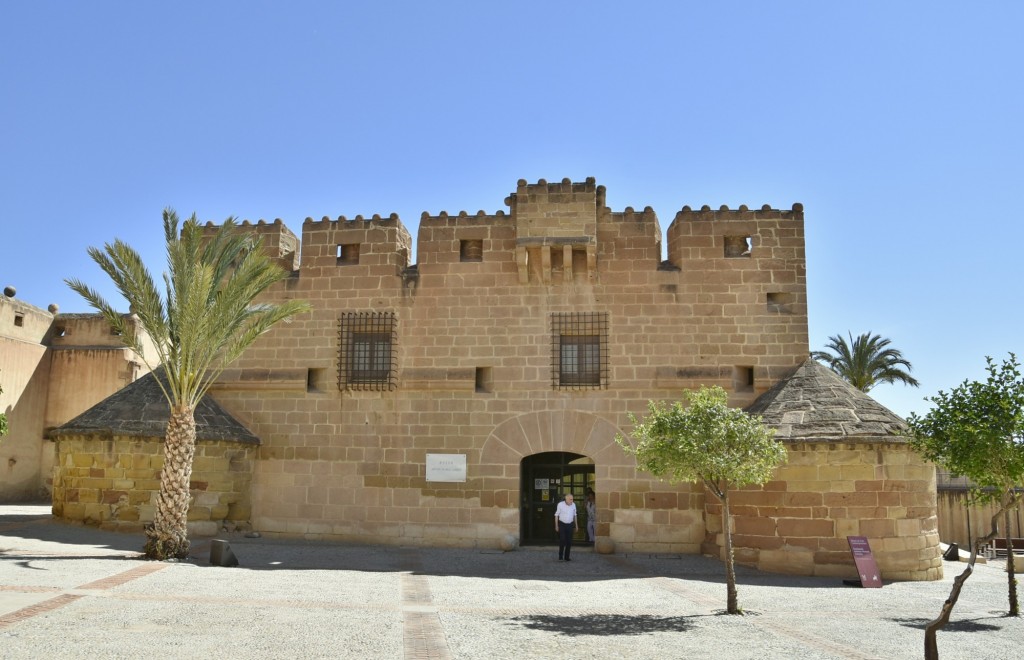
140,409
816,405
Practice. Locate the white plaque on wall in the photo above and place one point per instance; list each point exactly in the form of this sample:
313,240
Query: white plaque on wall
446,467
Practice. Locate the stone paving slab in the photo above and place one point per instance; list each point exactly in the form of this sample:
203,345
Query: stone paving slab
69,591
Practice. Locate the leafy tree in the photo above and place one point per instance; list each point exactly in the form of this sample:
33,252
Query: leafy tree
866,361
205,319
977,431
707,442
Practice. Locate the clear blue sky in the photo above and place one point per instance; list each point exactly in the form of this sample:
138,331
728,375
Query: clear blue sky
898,125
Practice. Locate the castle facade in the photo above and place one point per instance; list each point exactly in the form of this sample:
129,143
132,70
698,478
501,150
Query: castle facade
454,401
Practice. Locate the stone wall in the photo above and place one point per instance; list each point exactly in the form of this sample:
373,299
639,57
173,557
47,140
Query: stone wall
25,379
961,522
52,367
473,362
798,522
113,482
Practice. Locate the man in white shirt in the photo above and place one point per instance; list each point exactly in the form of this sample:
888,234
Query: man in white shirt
566,525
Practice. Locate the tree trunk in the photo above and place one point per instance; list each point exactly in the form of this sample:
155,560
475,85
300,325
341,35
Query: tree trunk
732,604
931,646
1010,568
167,536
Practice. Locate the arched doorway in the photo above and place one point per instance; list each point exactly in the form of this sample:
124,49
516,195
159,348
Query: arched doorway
545,480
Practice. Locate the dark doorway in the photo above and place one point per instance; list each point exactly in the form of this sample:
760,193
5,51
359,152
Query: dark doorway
546,478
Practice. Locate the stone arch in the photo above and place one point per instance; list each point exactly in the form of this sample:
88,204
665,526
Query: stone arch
531,433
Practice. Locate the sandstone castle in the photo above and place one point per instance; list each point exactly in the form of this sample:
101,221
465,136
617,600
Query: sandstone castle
455,400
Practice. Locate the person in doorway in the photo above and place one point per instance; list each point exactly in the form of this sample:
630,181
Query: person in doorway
591,505
566,524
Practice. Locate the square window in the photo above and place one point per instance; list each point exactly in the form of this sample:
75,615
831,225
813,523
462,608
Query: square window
580,362
780,303
367,353
471,250
348,254
19,320
743,379
738,247
369,357
579,350
484,380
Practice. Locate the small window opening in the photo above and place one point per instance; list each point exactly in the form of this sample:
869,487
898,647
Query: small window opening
315,380
743,379
115,332
60,331
19,320
556,259
579,265
737,247
348,254
484,380
471,250
779,302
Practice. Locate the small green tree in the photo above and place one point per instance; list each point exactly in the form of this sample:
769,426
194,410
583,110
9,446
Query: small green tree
707,442
866,361
206,317
3,420
977,431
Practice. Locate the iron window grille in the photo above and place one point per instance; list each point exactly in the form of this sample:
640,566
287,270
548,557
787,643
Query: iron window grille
579,350
367,351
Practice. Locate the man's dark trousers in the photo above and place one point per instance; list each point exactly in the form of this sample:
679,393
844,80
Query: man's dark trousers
565,531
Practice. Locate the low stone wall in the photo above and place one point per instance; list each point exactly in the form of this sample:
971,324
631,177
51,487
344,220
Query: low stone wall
799,522
113,482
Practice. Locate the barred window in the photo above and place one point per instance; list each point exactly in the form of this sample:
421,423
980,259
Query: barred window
579,350
367,355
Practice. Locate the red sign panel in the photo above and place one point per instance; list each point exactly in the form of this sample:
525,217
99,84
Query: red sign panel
865,561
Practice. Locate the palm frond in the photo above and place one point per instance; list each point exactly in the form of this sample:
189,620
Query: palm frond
208,314
866,360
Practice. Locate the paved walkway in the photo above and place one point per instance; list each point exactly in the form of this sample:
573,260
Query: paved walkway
68,591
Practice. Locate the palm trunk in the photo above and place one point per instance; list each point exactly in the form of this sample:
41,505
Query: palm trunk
167,536
732,600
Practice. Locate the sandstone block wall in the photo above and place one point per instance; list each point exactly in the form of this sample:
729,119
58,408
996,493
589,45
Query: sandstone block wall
473,357
799,521
113,483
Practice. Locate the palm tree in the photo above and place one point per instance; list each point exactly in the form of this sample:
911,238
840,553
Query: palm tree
204,321
866,361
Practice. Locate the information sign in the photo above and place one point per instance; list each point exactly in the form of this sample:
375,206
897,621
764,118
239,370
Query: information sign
865,561
446,467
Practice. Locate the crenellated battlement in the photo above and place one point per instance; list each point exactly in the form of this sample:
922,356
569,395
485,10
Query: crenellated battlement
279,242
553,234
479,216
724,213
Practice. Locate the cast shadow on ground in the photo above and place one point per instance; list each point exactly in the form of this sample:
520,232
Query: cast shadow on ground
38,563
961,625
604,624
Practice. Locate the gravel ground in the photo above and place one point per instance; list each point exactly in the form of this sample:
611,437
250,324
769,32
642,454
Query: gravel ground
68,591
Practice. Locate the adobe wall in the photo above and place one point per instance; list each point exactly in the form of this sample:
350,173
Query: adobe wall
113,482
798,522
473,369
24,378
